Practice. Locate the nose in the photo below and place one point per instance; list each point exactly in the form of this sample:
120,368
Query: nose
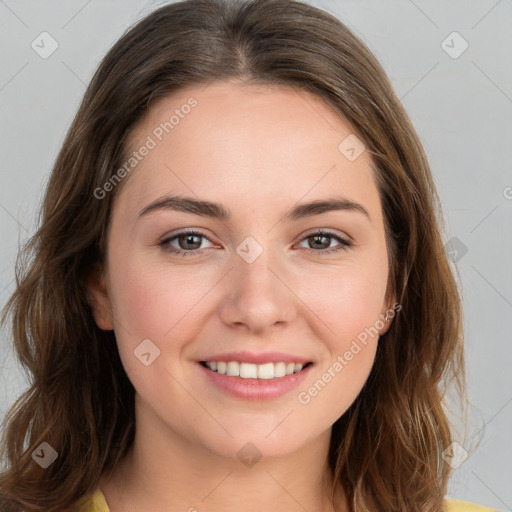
259,295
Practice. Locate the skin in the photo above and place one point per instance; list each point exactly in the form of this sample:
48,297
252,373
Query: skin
259,151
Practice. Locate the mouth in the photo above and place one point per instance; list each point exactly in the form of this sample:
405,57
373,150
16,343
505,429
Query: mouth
266,371
248,381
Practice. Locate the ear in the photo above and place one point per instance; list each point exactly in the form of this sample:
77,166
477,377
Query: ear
389,308
98,299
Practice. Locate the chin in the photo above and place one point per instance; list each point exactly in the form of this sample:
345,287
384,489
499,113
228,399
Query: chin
255,443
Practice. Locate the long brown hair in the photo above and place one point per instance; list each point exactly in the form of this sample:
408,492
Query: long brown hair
386,449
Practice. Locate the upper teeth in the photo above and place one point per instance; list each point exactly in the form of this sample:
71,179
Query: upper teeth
254,371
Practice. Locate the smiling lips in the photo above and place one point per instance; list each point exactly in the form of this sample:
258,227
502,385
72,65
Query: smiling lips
252,381
250,365
246,370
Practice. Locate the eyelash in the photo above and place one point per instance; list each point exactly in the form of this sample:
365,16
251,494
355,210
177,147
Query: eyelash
164,244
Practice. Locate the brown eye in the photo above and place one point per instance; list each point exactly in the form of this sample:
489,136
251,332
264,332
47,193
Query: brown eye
320,242
189,243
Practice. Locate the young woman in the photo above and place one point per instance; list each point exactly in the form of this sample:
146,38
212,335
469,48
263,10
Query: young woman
238,297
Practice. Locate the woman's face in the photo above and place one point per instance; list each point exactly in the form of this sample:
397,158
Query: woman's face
259,280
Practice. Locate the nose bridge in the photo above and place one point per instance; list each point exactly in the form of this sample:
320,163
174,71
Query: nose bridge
258,277
259,297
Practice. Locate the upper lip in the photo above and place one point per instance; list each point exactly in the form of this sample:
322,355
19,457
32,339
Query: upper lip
255,358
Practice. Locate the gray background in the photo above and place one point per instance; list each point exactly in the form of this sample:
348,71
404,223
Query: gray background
461,108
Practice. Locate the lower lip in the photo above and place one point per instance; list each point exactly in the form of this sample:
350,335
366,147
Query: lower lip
255,389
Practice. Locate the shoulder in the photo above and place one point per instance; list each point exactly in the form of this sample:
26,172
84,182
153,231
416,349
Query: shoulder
466,506
95,503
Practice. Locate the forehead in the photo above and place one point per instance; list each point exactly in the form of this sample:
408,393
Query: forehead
263,143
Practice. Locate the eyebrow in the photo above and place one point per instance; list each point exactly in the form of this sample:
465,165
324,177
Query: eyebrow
217,211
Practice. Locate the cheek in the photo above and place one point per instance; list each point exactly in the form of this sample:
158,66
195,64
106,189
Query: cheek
350,307
347,299
139,302
337,384
153,301
152,298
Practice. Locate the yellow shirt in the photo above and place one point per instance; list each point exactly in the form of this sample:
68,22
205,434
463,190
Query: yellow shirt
97,503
